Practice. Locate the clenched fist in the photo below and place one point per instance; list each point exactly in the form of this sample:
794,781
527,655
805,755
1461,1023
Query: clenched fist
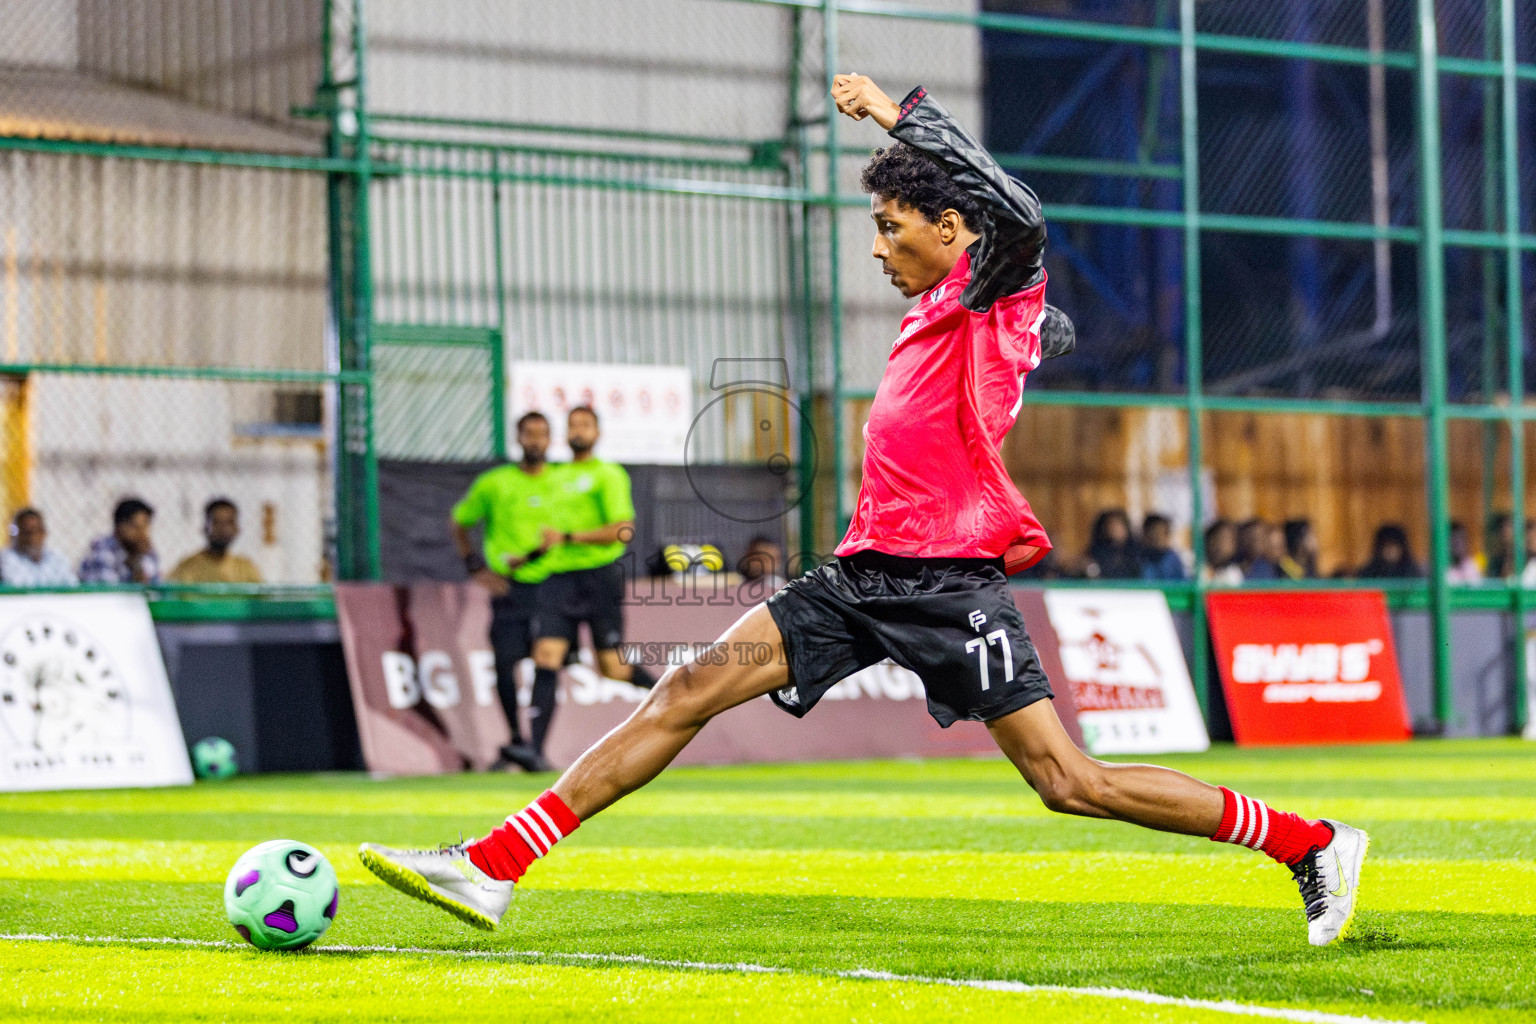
859,97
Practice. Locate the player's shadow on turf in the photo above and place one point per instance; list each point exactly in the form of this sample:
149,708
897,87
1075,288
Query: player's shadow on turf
1368,937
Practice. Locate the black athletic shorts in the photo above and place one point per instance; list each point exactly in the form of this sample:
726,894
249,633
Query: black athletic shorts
593,596
512,622
950,620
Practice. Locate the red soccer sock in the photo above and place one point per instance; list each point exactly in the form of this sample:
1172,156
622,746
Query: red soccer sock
1284,836
524,838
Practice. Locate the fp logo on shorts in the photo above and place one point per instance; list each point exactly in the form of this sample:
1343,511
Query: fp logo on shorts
978,620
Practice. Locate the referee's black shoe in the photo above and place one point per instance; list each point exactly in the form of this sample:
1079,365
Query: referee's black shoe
524,757
639,676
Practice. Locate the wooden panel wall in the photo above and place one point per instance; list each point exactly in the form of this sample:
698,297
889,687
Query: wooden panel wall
1347,474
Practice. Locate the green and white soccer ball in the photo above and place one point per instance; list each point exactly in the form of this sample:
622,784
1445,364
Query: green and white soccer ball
213,757
281,894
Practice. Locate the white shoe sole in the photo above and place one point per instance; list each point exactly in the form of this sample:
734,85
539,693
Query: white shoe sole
413,884
1354,903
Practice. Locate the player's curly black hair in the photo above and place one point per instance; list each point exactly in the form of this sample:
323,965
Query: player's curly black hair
903,173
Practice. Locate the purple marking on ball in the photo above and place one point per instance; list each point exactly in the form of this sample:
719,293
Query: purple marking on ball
282,918
330,911
246,880
245,933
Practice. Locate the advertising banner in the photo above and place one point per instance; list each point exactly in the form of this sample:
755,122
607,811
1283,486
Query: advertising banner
1302,668
84,700
1529,732
422,675
646,411
423,682
1124,669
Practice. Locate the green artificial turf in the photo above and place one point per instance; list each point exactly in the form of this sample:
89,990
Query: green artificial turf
758,893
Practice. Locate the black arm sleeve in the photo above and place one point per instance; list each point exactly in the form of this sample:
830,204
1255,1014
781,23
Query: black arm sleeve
1008,257
1058,335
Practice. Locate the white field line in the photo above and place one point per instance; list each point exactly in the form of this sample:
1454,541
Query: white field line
989,985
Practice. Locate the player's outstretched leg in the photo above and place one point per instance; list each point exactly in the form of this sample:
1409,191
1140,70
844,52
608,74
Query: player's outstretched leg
474,881
1324,856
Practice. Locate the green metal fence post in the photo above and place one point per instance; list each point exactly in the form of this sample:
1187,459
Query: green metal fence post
1193,348
1514,322
1433,369
1157,68
801,281
499,343
364,309
834,268
357,482
339,298
1491,309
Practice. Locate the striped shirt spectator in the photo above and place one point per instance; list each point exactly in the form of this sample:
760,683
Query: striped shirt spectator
126,555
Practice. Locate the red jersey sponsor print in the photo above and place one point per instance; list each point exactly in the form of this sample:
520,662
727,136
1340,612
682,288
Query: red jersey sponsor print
934,482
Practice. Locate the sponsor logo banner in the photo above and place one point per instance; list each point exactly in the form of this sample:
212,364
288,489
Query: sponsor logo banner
422,675
1308,667
423,684
646,411
84,699
1124,668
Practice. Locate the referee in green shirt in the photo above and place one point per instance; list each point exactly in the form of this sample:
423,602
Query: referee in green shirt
515,504
595,519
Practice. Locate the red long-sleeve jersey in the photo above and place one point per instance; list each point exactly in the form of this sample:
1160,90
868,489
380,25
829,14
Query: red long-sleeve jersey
934,484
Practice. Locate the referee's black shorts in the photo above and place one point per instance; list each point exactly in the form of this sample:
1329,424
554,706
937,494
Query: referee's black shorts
950,620
593,596
512,615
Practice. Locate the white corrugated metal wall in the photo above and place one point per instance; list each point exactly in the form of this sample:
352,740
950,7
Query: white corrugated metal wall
620,276
115,262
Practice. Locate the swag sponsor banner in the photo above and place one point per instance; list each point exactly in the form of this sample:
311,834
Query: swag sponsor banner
1118,658
1308,667
84,699
423,683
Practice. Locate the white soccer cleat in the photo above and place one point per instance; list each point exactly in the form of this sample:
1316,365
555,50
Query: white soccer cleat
445,878
1329,880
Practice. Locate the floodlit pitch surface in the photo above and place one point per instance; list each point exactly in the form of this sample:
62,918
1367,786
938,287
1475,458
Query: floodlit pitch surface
862,891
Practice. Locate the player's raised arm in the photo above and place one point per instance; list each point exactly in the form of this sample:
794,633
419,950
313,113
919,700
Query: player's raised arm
1013,230
859,97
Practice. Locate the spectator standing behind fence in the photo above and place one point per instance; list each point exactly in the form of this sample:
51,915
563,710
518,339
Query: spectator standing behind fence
27,561
1273,550
594,521
127,554
1500,547
1391,557
1463,567
1252,555
763,564
1158,559
1528,574
1111,551
1221,566
1300,561
215,563
513,503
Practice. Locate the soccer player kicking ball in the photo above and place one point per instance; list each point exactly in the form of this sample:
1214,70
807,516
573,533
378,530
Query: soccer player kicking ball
920,576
